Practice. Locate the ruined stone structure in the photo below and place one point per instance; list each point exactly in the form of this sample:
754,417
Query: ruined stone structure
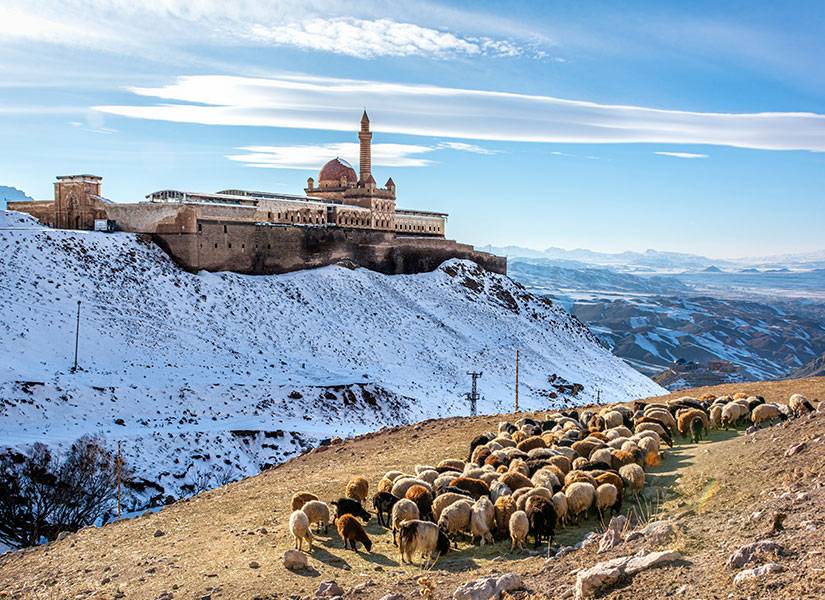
345,217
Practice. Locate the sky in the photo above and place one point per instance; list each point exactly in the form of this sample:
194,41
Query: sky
692,127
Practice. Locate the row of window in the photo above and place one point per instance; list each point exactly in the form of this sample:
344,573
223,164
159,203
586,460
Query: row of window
417,227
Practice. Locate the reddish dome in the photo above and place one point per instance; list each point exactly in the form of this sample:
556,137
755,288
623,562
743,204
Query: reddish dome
337,168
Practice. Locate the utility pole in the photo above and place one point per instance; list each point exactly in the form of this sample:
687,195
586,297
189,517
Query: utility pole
118,468
76,337
516,409
473,395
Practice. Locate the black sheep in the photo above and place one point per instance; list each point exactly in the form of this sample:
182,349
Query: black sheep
348,506
542,518
696,429
383,502
478,440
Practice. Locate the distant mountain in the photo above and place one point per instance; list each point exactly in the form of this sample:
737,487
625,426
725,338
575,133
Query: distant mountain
712,269
815,368
12,194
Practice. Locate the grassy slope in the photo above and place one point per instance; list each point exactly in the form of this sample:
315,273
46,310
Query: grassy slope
210,541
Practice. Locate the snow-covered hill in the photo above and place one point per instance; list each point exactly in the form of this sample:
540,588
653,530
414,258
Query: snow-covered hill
206,377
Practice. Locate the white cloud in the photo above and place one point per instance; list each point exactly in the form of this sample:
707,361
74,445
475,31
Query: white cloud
309,157
308,102
681,154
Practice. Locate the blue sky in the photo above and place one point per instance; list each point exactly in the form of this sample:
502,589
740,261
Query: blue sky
695,127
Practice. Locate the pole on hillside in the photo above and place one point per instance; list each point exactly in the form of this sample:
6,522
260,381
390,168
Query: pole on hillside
473,395
76,337
118,467
516,409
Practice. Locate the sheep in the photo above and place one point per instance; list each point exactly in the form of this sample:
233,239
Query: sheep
663,416
580,497
608,497
616,432
613,419
384,485
634,477
450,464
404,510
479,440
766,413
423,500
602,455
456,518
504,507
429,476
393,475
546,478
696,428
348,506
518,465
531,443
480,454
650,446
540,492
444,480
402,484
585,448
422,538
482,520
799,404
317,512
489,477
352,532
731,414
357,489
562,462
519,527
472,472
383,502
515,481
506,427
442,501
560,504
476,487
300,530
499,490
301,498
684,418
541,515
716,416
657,428
579,476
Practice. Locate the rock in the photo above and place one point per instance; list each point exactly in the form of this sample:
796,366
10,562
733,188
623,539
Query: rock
612,536
747,553
633,536
659,532
590,581
751,430
393,597
795,449
62,535
295,560
590,538
158,533
508,583
328,589
254,564
648,561
748,575
478,589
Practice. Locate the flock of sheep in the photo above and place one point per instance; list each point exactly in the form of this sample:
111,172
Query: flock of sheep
529,477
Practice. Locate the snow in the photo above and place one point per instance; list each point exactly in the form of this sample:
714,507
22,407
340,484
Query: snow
218,375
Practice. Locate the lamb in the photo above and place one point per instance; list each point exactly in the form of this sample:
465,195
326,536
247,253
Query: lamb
404,510
504,508
766,413
482,520
542,517
423,500
476,487
383,502
422,538
799,404
580,497
402,484
608,497
317,512
519,527
633,477
352,532
300,530
456,518
301,498
348,506
357,489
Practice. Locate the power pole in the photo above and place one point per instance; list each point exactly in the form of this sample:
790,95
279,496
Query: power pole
473,395
516,408
118,467
76,337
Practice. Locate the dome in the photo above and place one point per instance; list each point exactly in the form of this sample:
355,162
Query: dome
337,168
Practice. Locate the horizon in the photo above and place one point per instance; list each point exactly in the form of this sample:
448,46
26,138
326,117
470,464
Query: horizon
697,130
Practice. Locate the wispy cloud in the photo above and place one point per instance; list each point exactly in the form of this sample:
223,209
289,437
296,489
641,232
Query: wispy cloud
682,154
309,102
312,157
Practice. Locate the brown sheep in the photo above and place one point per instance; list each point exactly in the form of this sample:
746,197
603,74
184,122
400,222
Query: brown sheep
450,464
494,461
358,488
583,476
585,448
519,436
684,417
301,498
610,477
531,443
515,481
480,454
621,458
385,485
476,487
562,463
519,466
504,508
423,500
351,531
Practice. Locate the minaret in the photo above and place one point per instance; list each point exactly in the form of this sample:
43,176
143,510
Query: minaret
365,137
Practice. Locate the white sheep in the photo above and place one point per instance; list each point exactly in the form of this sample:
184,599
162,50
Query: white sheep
545,478
499,489
607,496
519,528
482,520
299,527
602,455
633,476
393,475
442,501
765,413
317,512
580,497
456,518
421,468
560,504
403,510
421,538
429,476
613,418
402,484
716,416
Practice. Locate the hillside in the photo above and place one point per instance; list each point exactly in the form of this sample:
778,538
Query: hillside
719,495
209,377
815,368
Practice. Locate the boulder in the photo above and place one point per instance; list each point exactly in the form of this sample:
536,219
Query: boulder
329,589
485,588
748,575
295,560
739,558
648,561
508,583
612,536
604,574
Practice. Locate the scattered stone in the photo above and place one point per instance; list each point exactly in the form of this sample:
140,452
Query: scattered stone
612,536
328,589
747,553
751,430
748,575
165,596
159,533
485,588
659,532
254,565
604,574
295,560
565,550
508,582
648,561
633,536
796,449
590,538
778,522
393,597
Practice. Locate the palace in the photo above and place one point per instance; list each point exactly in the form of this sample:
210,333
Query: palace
344,216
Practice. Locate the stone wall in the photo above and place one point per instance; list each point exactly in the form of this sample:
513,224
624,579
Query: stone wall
266,249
